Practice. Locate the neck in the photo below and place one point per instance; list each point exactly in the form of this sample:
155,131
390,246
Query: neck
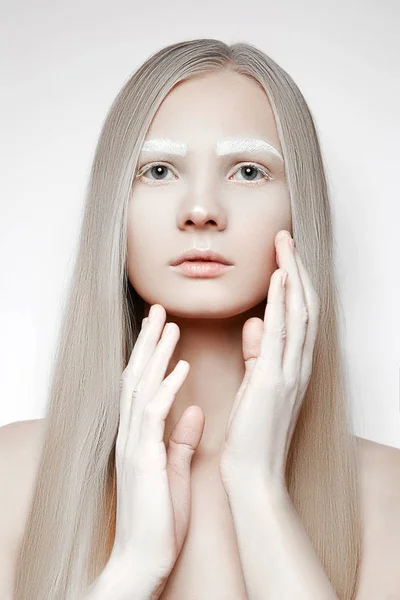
213,347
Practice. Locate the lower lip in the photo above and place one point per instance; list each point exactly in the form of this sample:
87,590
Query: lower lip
202,268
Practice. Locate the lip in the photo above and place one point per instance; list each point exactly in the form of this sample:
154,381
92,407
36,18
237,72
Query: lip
201,268
196,254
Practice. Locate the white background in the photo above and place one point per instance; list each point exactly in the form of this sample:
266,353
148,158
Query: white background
62,66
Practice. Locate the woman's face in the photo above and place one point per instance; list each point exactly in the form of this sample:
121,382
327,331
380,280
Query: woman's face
204,192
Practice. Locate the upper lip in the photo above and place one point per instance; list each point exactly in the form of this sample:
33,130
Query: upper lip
198,254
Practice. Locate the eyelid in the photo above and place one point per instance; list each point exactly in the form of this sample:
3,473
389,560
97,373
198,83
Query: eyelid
263,169
148,166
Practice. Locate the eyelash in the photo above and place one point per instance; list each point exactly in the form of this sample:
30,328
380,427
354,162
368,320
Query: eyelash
262,170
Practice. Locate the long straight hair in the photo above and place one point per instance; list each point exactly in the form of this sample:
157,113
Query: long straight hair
71,524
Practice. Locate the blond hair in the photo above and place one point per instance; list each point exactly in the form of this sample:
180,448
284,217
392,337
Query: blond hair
71,524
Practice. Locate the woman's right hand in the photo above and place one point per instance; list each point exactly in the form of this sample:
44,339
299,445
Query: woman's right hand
153,483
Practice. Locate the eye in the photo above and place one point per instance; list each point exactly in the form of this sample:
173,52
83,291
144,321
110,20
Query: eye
158,170
250,170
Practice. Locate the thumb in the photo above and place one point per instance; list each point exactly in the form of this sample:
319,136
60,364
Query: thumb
183,441
252,334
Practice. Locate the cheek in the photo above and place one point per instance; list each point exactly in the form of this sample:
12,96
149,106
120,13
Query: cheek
144,229
144,233
256,267
256,255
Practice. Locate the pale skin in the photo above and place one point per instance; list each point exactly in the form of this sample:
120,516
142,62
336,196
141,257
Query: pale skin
202,198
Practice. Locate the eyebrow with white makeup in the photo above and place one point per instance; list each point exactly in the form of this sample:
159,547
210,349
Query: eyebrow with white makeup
223,147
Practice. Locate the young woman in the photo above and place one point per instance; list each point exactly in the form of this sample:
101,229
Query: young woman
233,473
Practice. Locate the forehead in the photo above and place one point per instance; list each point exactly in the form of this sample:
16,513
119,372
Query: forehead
215,109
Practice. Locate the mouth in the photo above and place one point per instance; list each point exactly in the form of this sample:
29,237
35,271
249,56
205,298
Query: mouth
201,268
196,255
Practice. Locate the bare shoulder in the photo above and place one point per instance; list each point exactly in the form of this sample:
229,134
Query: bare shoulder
380,499
21,444
32,430
380,474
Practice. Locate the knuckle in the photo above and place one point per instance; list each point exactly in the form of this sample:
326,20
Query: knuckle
137,390
276,326
123,379
277,329
126,378
302,313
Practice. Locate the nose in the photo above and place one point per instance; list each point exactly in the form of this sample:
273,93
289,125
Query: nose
202,214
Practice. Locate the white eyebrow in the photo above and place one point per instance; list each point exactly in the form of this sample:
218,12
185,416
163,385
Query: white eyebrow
224,147
164,145
251,145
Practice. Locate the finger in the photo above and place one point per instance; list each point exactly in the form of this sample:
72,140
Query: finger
142,351
146,342
184,440
152,425
313,303
126,395
252,334
156,369
153,375
296,310
274,338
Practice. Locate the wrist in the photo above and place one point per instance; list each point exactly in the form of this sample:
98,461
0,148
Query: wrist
245,487
120,582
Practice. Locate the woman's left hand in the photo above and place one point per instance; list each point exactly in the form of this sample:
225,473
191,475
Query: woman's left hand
278,360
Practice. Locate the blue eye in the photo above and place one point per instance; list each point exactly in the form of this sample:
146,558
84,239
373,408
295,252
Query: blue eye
157,170
253,169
